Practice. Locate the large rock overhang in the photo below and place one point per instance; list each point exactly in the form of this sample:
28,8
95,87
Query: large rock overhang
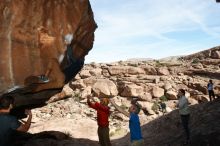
32,36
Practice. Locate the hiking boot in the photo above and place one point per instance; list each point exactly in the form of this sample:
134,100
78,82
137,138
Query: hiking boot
43,78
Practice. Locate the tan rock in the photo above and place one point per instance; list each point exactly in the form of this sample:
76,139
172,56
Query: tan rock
105,88
120,70
135,70
200,86
217,88
105,72
85,74
201,98
157,92
117,70
197,66
163,71
150,70
90,81
86,92
167,86
146,97
131,90
78,84
192,101
147,106
168,109
77,77
172,95
187,94
77,129
149,78
166,78
96,72
171,104
68,91
215,54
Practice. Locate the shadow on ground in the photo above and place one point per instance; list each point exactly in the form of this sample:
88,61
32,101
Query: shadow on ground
164,131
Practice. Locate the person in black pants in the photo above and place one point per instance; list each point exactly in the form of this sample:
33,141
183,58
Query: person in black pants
210,90
183,106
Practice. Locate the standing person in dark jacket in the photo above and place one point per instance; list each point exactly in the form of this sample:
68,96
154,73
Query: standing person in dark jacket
210,90
103,112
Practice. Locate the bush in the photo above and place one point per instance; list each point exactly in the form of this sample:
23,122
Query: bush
195,61
124,107
78,96
155,107
159,64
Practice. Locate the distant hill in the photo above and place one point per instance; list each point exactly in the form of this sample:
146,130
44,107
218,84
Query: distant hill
139,59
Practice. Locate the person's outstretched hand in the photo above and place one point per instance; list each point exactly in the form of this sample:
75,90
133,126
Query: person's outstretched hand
28,112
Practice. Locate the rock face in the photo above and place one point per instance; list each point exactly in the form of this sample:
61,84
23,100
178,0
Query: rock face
31,35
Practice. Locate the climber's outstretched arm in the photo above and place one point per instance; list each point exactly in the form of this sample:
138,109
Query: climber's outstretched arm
119,108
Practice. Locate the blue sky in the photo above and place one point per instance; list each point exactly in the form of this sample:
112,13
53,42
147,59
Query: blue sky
153,28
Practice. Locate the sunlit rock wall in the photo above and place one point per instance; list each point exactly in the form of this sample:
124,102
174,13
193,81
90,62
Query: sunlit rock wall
25,49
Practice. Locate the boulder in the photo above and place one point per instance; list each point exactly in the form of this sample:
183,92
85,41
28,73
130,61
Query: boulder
117,70
85,74
167,86
146,97
135,70
192,101
201,98
157,92
78,84
131,90
215,54
147,107
163,71
197,66
171,95
86,92
150,70
32,39
105,88
32,43
121,70
105,72
89,81
200,86
96,72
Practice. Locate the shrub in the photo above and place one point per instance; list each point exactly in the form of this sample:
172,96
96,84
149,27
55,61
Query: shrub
124,107
155,107
195,61
78,96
